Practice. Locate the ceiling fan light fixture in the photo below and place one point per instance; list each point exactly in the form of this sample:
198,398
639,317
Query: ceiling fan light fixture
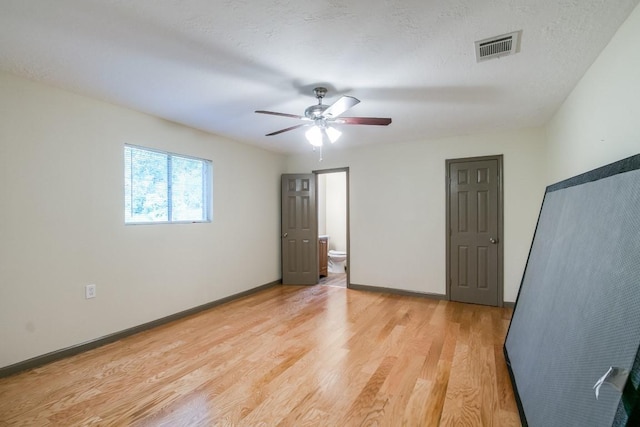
333,134
314,136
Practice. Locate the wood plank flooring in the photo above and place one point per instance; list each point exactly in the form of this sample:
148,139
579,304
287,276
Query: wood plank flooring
334,279
290,356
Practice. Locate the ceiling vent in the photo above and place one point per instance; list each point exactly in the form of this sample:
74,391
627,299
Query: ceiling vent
495,47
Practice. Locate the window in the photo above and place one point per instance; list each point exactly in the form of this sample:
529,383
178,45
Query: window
162,187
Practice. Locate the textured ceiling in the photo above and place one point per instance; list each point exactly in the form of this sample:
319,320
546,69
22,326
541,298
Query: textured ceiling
210,63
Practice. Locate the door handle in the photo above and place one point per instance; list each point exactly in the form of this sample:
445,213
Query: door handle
492,240
285,235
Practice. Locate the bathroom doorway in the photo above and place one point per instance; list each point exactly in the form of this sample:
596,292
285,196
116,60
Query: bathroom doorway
332,206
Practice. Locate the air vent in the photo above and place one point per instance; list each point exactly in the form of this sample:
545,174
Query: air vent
495,47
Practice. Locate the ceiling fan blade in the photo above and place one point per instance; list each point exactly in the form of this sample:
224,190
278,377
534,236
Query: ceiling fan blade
380,121
273,113
340,106
285,130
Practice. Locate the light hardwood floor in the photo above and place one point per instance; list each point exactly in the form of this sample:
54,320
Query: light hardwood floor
334,279
290,356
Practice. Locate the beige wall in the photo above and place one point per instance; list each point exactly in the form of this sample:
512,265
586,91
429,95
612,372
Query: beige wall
397,196
62,222
332,208
599,122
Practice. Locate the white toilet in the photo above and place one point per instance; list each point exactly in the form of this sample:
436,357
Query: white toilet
336,261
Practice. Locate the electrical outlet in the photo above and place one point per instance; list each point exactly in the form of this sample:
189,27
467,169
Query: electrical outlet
90,291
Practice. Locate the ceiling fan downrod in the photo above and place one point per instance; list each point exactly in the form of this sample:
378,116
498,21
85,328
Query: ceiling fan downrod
315,112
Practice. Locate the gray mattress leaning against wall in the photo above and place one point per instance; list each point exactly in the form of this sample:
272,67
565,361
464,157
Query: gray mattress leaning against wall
578,308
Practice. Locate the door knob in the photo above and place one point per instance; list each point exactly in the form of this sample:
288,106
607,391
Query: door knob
492,240
285,235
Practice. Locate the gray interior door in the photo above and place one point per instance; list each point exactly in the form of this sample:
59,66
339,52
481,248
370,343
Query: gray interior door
474,239
299,230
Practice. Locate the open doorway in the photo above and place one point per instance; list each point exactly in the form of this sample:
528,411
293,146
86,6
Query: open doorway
333,224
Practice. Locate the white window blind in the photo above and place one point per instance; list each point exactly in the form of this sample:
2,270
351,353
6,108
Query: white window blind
163,187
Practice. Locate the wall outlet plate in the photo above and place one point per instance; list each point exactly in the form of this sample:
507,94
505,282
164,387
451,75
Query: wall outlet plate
90,291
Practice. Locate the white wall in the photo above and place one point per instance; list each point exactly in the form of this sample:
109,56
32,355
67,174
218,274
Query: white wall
336,210
61,222
322,204
599,122
397,196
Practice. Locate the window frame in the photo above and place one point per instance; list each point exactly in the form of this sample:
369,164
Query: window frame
207,187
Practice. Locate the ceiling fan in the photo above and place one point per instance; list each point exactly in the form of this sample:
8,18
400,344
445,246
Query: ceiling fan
321,117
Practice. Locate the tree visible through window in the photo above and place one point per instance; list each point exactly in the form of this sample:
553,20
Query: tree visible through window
165,187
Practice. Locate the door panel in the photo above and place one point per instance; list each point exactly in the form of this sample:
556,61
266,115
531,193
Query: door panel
299,230
474,231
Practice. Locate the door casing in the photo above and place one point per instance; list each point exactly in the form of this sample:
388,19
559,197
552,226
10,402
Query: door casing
500,213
